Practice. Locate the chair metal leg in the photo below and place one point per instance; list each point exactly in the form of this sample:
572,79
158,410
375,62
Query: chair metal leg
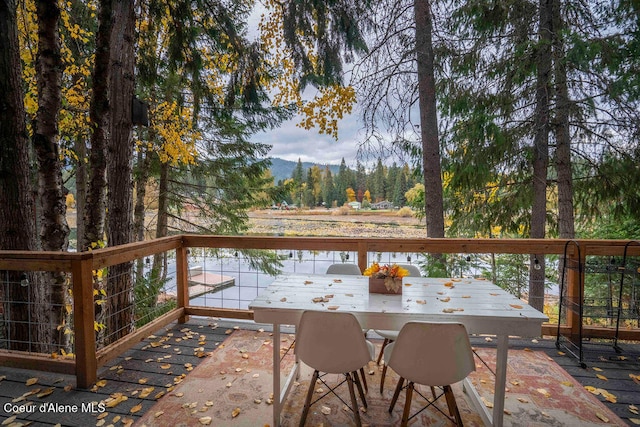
396,394
384,374
354,402
453,406
384,344
307,402
407,404
359,386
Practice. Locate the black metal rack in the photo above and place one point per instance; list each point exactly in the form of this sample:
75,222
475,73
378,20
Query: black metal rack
626,268
622,301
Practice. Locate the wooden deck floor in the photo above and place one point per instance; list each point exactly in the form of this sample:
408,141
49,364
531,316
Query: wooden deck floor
166,358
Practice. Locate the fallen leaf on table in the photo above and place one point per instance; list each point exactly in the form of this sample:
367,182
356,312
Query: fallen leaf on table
445,299
420,301
283,299
543,392
205,421
308,282
516,306
337,280
333,307
235,412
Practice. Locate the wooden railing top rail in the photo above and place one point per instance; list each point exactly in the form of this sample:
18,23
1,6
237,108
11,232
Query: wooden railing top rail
63,261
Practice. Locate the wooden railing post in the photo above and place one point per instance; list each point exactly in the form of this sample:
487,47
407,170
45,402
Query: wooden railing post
362,255
575,291
182,281
83,322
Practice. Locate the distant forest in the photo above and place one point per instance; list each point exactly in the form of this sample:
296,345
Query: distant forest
311,185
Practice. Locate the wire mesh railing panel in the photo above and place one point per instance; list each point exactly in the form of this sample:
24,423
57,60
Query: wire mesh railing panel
35,313
132,294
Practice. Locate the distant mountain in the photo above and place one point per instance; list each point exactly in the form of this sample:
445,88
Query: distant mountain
283,169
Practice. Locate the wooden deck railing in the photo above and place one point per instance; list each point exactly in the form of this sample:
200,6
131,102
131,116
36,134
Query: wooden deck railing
82,265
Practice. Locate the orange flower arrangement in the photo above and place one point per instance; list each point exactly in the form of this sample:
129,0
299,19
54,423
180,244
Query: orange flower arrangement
389,273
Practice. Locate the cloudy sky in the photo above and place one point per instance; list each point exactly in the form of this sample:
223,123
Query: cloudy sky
291,142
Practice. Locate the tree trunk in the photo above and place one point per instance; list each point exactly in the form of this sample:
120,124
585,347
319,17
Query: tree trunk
434,210
431,168
566,222
51,291
540,154
94,214
120,308
17,204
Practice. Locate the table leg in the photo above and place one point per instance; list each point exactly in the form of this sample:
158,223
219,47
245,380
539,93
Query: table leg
277,400
502,353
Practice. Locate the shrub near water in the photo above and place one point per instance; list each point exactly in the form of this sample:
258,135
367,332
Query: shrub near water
405,212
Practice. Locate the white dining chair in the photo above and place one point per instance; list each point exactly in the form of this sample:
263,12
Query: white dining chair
333,343
431,354
349,269
390,336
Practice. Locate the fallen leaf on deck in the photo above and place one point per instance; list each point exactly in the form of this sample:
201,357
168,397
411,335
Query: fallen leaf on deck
516,306
633,409
235,412
9,420
602,377
136,408
46,392
115,399
567,383
466,296
602,417
31,381
146,392
543,392
494,295
635,420
522,400
165,366
448,284
487,403
326,410
596,369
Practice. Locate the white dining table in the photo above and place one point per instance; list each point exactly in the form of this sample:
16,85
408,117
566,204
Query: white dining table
483,307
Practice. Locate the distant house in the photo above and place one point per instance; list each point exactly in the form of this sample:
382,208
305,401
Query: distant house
355,205
385,204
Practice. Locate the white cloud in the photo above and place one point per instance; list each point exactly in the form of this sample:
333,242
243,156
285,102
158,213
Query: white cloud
291,142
